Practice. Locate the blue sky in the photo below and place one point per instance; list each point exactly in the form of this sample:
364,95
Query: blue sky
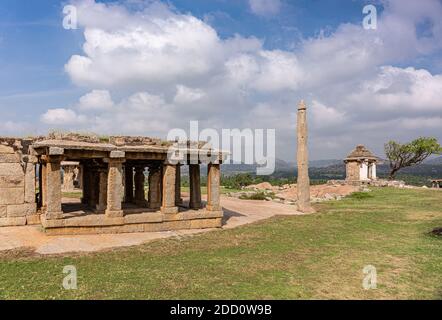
34,49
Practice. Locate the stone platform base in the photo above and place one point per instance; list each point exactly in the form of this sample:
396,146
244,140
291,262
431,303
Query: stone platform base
135,222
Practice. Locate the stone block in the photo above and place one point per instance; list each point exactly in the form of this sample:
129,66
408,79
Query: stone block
6,149
3,211
33,219
30,184
11,169
21,210
9,158
206,223
143,218
12,196
169,210
56,151
12,181
10,222
117,154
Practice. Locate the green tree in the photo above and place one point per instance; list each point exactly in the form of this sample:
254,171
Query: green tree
410,154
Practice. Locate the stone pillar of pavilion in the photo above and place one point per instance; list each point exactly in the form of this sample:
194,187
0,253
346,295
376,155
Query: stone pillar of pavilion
154,187
53,184
140,194
195,186
85,188
178,199
168,188
115,184
129,184
43,186
303,185
93,187
102,196
213,187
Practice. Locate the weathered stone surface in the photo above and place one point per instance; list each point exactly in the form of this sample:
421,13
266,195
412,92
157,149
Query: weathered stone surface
12,196
11,169
102,196
21,210
213,187
169,179
58,227
6,149
53,190
117,154
56,151
303,185
154,187
30,184
143,218
206,223
114,189
12,181
10,222
9,158
33,219
3,211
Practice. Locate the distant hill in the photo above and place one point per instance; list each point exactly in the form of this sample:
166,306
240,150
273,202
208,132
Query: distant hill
434,161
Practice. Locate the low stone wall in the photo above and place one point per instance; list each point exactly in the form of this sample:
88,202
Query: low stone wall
373,183
17,184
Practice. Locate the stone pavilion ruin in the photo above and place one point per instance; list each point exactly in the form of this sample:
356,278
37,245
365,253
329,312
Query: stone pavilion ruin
111,173
361,165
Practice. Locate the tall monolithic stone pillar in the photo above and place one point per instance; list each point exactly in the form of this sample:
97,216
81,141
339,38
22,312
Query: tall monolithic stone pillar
53,188
303,186
213,187
115,185
169,180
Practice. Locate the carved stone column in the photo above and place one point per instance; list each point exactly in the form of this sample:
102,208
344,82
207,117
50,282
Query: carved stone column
102,196
53,188
140,194
115,184
213,187
195,186
169,180
178,199
154,187
129,184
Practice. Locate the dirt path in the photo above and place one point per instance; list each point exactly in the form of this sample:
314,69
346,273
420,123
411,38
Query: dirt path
237,213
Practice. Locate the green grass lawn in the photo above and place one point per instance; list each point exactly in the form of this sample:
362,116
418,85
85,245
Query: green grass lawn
317,256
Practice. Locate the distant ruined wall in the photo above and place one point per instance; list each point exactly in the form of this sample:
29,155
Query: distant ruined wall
17,183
